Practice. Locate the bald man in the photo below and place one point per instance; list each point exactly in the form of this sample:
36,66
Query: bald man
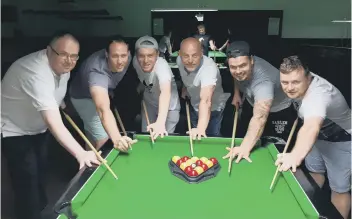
203,85
32,90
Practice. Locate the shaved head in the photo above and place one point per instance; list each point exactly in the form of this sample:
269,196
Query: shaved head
191,43
191,53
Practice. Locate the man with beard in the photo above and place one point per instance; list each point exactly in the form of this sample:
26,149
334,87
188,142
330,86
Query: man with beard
96,79
160,91
32,90
324,140
205,40
260,83
203,85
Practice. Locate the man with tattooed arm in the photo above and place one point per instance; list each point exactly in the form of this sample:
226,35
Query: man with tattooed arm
259,81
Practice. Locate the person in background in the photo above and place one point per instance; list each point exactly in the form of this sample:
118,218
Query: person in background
165,46
205,39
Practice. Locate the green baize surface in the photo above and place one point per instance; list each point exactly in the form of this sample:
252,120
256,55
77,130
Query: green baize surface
147,189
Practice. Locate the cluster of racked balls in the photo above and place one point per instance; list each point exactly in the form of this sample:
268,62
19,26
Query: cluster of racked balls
194,166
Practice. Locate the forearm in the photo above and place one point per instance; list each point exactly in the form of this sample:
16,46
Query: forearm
211,42
306,138
223,46
254,131
164,103
170,50
108,120
204,115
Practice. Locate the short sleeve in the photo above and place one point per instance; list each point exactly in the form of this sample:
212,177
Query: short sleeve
41,91
98,79
163,72
263,91
209,76
315,105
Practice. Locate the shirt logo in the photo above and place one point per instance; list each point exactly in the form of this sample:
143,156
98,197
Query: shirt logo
279,126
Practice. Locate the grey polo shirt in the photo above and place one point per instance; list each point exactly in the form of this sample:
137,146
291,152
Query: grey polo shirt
207,74
95,71
265,84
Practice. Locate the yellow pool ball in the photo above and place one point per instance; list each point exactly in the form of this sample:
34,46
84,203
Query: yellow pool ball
189,162
203,159
175,159
194,159
209,163
183,166
199,170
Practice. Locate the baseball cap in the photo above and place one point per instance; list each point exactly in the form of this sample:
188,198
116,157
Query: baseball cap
146,42
238,48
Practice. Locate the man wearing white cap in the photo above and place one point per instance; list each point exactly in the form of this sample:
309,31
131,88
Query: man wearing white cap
160,91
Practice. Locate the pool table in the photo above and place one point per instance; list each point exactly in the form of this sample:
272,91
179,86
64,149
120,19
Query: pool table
211,54
146,188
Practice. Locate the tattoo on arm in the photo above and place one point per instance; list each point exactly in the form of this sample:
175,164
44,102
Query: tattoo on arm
261,109
257,123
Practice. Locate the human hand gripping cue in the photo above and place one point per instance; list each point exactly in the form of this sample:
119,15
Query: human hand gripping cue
121,124
285,149
89,144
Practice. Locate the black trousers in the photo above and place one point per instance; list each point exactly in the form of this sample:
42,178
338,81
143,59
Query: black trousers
279,124
26,158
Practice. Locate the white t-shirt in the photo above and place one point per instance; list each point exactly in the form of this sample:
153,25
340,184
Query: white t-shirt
207,74
28,87
160,74
324,100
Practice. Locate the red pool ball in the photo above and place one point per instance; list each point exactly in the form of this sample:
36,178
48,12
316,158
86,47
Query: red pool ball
204,166
194,173
189,172
178,163
188,169
199,163
184,159
214,160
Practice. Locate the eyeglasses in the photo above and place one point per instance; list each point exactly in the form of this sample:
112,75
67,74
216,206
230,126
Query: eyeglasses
64,55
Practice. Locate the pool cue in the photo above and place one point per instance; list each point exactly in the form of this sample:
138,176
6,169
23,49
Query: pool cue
285,149
233,137
121,124
189,127
89,144
147,117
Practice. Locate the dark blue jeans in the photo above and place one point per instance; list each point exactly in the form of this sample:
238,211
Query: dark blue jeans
214,124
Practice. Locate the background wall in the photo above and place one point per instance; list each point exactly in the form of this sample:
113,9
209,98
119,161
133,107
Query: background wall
302,19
